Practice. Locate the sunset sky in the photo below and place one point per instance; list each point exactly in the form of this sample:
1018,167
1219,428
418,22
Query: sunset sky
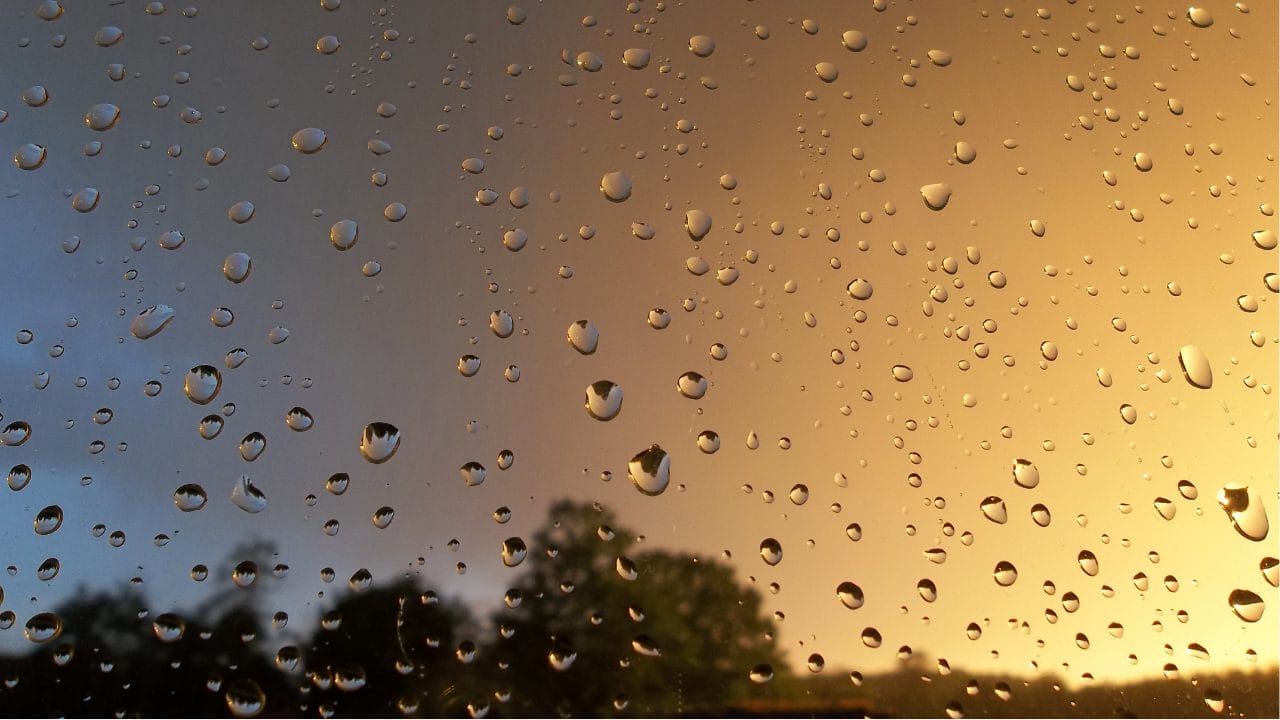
1048,205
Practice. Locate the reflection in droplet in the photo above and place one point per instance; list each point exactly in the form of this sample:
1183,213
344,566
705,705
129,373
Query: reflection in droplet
994,510
1195,366
650,470
246,496
1025,473
473,473
1005,573
604,399
190,497
692,385
1245,508
850,595
201,384
379,442
1247,605
584,336
936,196
513,551
770,551
43,627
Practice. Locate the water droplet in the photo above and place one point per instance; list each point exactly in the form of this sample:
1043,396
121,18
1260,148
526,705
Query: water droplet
854,40
702,45
15,433
298,419
85,200
650,470
1245,508
1247,605
383,516
936,195
29,156
636,58
344,234
994,509
190,497
604,400
48,570
252,445
826,71
48,520
244,698
1200,17
1165,507
761,674
468,365
659,319
337,483
902,373
860,289
770,551
928,591
697,223
328,44
850,595
1040,515
237,267
473,473
246,496
692,385
854,531
502,323
616,186
210,427
1270,568
562,655
584,336
1142,161
18,477
202,384
101,117
871,637
708,441
513,551
1264,239
309,140
379,442
1005,573
43,627
1195,366
1088,562
168,627
1128,413
1025,473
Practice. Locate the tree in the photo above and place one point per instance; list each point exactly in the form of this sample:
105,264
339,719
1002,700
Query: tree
596,628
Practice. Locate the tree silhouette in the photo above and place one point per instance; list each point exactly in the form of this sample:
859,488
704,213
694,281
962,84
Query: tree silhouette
596,628
393,650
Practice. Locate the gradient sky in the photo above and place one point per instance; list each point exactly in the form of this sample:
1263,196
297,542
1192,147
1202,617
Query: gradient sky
1095,283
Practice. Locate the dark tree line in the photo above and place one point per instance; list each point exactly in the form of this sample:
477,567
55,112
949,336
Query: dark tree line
592,627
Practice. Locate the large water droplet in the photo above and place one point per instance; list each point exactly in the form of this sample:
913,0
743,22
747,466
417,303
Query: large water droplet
43,627
151,321
902,373
29,156
246,496
1195,366
1199,16
190,497
994,510
1245,508
15,433
344,234
616,186
252,445
1088,562
202,383
514,551
102,116
473,473
770,551
584,336
697,223
604,399
850,595
1247,605
860,289
237,267
309,140
168,627
936,195
1005,573
650,470
702,45
379,442
48,520
1025,473
692,385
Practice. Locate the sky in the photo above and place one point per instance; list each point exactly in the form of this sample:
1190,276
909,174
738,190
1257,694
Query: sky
1048,205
